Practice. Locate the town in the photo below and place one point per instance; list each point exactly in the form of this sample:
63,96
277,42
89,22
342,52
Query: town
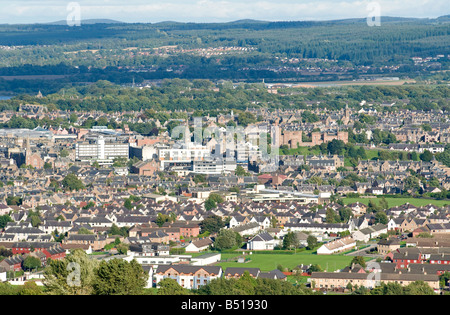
219,155
352,195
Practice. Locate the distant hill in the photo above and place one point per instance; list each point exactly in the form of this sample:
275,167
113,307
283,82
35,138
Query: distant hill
87,22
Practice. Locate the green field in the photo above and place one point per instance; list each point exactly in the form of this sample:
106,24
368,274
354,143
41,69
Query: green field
301,151
268,262
393,202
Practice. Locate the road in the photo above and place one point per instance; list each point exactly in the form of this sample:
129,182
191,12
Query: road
362,252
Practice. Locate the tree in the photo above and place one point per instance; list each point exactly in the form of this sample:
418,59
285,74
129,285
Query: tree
210,204
384,204
71,182
162,218
216,198
290,240
412,183
84,231
426,156
212,224
315,268
443,279
199,178
335,147
388,289
381,217
73,275
64,153
35,220
245,118
119,277
358,260
127,204
31,263
226,239
73,118
332,216
115,230
122,248
240,171
170,286
345,214
373,207
4,219
312,242
418,288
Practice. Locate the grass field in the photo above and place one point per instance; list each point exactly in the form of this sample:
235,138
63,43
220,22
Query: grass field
300,151
393,202
268,262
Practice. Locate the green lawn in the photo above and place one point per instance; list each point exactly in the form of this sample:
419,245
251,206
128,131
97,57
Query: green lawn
268,262
371,154
393,202
300,151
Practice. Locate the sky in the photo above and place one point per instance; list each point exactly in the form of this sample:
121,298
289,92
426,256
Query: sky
151,11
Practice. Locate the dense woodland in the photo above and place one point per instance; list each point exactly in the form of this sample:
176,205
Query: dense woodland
184,95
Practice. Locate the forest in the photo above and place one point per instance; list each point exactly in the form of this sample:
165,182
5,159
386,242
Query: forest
126,53
200,95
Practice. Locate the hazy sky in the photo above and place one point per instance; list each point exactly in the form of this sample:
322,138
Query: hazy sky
39,11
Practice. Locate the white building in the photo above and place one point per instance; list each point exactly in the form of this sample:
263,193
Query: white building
100,150
262,241
182,153
370,232
214,166
189,277
336,246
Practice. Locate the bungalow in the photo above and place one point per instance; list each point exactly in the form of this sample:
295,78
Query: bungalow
262,241
199,245
339,245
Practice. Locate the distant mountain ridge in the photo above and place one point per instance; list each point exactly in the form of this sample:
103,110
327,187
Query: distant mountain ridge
389,19
88,21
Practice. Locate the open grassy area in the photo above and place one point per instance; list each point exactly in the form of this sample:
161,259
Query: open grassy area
393,202
268,262
371,154
300,151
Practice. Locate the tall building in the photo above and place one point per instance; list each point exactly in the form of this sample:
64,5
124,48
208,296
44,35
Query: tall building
100,150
